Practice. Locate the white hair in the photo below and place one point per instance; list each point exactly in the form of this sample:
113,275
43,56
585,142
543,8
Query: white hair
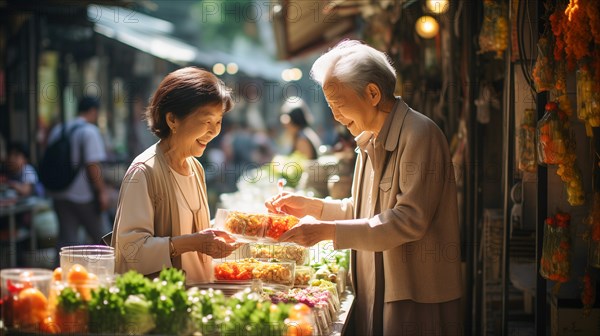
356,65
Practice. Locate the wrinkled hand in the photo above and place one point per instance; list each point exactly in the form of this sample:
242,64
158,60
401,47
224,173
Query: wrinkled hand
294,205
309,231
216,243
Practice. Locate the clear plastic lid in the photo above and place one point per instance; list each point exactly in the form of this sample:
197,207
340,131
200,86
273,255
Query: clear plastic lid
253,227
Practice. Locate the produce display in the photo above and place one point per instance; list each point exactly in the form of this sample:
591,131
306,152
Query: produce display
268,227
49,302
136,305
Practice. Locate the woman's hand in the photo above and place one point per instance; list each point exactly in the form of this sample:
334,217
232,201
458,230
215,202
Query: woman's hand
309,231
295,205
214,243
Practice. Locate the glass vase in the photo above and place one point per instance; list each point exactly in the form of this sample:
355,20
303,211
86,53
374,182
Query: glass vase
551,137
555,264
588,98
526,141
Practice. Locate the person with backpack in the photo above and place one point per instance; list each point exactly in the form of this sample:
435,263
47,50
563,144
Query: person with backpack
77,186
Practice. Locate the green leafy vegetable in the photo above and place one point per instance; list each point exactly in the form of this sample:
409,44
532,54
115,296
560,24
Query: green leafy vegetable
170,304
106,310
69,300
138,316
133,283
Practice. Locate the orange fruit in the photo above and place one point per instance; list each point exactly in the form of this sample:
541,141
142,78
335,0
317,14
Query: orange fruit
57,274
298,311
77,274
30,307
298,328
85,288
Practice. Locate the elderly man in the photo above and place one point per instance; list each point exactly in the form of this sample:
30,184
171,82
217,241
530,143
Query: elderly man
402,219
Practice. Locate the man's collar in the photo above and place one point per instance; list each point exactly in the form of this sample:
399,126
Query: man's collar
390,132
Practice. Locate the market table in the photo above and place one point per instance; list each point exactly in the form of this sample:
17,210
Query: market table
11,210
347,302
337,328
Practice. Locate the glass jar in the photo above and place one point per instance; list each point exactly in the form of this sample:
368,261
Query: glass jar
526,141
588,293
551,136
555,264
543,73
588,98
493,36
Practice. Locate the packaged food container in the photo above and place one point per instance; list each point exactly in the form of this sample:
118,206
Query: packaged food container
269,271
274,271
236,270
254,227
24,294
303,276
294,252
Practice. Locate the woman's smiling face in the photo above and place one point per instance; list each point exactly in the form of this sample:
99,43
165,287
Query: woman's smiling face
192,133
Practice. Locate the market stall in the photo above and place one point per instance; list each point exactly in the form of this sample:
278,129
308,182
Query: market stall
264,288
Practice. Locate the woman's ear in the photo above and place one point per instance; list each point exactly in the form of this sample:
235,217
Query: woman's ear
171,120
373,94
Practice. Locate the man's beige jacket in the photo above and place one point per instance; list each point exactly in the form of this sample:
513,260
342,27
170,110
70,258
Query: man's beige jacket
416,222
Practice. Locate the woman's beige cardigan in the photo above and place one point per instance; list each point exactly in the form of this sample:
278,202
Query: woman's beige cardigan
146,248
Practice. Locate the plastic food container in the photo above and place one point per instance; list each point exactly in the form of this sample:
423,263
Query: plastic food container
96,259
268,271
275,272
234,271
294,252
253,227
303,276
24,294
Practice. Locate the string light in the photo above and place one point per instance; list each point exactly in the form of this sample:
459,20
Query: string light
427,27
219,69
437,6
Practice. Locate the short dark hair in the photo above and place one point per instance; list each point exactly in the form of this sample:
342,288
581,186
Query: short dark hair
20,148
86,103
298,117
181,92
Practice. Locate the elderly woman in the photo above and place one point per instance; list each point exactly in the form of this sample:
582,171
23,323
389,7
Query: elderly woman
162,218
402,218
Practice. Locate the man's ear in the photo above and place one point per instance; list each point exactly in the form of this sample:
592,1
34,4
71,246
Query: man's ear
373,94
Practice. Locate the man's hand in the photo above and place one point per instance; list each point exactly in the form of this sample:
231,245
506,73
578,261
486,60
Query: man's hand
295,205
309,232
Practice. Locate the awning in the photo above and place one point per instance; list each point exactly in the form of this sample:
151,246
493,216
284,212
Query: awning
154,36
302,26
